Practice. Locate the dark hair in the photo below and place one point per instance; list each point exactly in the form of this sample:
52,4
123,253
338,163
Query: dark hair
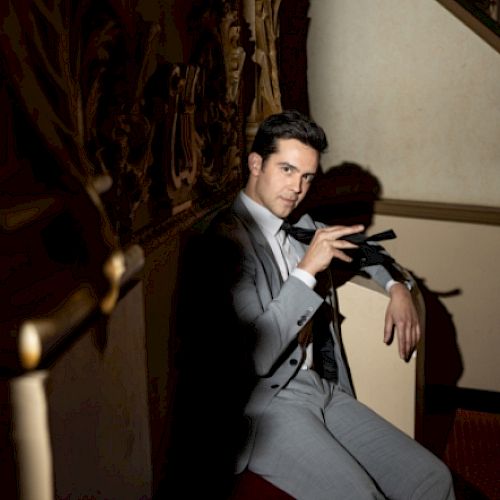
289,124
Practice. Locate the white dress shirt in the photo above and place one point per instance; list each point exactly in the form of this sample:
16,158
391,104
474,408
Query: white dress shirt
284,253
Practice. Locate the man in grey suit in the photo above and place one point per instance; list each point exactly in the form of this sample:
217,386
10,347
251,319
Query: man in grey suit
308,434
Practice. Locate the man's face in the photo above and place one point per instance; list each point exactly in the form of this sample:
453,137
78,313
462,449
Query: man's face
281,183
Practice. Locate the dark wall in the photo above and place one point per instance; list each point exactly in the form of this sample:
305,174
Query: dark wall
119,130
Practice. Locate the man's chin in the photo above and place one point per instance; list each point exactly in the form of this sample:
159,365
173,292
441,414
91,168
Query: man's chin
283,213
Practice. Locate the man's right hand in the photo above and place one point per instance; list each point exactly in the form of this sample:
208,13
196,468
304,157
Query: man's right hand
327,245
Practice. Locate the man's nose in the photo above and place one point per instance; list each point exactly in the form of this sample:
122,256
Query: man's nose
296,184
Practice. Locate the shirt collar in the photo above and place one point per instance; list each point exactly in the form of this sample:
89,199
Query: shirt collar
265,219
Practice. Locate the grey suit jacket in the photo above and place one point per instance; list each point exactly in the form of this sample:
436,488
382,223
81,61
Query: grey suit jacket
274,312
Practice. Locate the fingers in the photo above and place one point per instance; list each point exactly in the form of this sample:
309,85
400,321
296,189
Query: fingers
405,341
388,330
407,332
334,233
402,320
408,336
332,237
327,245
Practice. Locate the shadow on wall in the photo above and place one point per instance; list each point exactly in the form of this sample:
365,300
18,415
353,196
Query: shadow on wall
346,194
443,368
213,376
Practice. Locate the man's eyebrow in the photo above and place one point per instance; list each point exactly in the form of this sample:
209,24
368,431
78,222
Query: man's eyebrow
286,164
296,169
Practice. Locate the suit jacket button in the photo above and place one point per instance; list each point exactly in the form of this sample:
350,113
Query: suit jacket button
302,320
293,362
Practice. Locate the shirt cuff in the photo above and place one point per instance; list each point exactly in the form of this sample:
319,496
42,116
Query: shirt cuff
304,276
391,283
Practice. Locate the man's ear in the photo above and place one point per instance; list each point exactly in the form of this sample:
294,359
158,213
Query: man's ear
254,163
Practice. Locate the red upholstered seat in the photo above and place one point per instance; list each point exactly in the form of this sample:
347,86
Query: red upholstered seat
251,486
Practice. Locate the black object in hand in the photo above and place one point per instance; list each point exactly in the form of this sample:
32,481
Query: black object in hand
360,238
305,235
369,254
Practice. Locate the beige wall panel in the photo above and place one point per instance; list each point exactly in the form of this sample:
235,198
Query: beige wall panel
461,257
408,91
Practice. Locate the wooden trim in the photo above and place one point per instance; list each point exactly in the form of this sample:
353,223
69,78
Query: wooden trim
453,212
485,27
477,399
462,397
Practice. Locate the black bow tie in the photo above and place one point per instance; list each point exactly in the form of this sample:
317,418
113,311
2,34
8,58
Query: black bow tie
305,235
299,233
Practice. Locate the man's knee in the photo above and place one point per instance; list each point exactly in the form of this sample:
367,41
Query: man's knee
437,484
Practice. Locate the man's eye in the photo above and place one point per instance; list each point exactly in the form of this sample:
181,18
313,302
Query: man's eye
286,168
309,178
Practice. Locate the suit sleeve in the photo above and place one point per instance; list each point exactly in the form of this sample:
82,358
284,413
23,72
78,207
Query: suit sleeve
382,276
274,323
379,274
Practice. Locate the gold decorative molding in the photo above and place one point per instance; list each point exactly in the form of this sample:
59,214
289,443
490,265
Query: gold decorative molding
107,137
148,132
185,143
262,16
199,150
234,54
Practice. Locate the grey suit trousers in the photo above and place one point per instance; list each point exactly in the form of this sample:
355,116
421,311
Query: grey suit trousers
316,442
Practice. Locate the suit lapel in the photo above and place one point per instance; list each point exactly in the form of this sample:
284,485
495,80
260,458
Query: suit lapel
261,247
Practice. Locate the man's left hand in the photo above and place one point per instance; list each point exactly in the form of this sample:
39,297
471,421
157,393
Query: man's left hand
401,317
